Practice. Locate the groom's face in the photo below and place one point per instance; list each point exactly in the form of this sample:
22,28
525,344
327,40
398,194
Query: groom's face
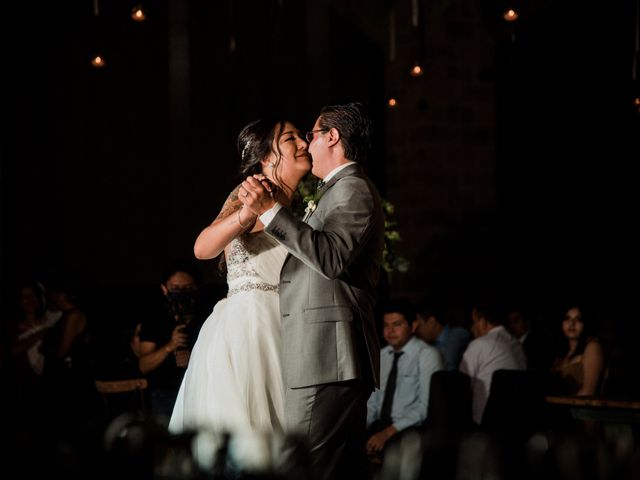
318,151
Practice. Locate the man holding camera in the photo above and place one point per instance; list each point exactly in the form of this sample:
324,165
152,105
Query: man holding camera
167,336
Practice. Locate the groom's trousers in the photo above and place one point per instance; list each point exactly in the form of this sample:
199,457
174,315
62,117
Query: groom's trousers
332,418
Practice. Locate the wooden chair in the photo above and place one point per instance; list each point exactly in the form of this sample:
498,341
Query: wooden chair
110,390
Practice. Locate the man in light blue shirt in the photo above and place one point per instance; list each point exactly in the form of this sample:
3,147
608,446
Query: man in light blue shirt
403,397
431,326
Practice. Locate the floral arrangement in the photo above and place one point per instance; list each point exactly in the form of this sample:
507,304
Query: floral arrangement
306,200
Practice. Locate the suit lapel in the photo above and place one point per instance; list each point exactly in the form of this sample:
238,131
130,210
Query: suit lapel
352,169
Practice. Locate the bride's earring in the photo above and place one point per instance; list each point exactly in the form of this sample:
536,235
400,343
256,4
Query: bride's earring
271,165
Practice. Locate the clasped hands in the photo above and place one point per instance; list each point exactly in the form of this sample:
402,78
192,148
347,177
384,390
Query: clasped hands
257,194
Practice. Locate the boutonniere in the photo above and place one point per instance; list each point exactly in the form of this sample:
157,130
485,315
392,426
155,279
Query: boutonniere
308,195
311,207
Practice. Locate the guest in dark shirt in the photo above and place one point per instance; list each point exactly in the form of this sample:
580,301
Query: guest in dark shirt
168,333
68,364
535,344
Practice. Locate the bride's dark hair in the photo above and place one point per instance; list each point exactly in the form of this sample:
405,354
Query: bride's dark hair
255,142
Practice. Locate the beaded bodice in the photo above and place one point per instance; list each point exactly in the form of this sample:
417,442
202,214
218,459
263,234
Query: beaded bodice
254,263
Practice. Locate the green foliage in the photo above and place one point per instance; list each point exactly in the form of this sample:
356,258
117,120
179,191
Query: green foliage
391,260
306,192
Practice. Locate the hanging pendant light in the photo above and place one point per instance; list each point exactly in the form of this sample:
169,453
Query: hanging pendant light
510,15
98,61
416,70
635,67
138,14
417,67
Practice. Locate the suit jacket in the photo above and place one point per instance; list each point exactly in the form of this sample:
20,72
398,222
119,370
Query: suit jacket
327,284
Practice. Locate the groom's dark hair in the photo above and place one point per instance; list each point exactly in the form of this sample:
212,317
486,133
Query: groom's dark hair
354,125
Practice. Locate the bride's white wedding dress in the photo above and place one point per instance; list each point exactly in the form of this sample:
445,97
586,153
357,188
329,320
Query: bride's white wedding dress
234,380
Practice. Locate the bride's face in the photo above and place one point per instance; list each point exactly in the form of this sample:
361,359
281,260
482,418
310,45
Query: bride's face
294,159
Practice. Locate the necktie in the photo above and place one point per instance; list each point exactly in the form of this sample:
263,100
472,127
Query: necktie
387,402
320,185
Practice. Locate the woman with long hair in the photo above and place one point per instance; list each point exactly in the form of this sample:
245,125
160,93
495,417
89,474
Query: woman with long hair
580,360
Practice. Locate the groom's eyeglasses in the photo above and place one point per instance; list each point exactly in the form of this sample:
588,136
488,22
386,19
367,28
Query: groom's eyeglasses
309,135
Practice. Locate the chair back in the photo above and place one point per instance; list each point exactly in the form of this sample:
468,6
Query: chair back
449,401
515,407
123,395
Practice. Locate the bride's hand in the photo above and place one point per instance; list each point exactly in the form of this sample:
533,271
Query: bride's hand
255,196
266,183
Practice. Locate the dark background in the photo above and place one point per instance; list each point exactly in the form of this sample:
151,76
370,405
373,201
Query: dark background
509,162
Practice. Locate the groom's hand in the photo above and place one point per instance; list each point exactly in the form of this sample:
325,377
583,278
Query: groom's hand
254,194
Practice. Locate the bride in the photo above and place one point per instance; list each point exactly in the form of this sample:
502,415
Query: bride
234,381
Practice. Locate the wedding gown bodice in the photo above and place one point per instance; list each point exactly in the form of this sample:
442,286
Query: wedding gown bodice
254,263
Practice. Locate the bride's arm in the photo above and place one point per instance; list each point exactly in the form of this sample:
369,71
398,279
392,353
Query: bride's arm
233,219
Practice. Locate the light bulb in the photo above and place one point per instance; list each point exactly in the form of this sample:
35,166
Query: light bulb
510,15
392,102
416,70
137,14
98,61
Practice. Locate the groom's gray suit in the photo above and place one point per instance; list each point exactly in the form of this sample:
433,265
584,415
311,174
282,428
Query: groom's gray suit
330,348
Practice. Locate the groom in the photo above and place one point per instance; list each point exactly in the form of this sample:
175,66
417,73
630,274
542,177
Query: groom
330,350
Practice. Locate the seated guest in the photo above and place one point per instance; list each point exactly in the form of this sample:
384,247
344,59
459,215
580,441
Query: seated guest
432,327
406,366
580,360
26,329
67,348
493,349
533,342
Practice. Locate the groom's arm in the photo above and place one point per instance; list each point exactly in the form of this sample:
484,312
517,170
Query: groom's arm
349,221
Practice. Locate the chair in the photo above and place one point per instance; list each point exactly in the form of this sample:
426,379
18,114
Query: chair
118,395
448,422
515,407
449,401
515,411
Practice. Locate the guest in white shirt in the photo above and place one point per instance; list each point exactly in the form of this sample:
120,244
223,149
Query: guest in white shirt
493,349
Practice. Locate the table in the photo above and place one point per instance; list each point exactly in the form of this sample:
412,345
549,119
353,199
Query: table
614,423
607,410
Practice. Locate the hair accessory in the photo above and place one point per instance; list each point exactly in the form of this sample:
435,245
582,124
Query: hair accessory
245,149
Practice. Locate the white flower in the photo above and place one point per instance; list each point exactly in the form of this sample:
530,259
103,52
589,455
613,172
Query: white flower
311,206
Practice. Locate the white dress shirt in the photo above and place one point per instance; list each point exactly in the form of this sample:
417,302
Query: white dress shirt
496,350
